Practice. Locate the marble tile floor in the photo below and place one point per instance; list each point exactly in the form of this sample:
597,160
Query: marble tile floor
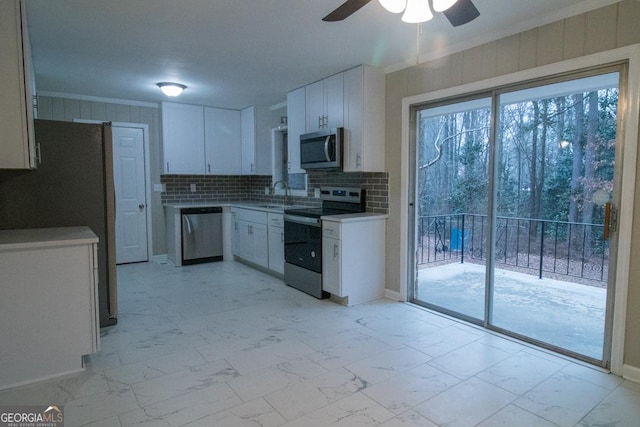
222,344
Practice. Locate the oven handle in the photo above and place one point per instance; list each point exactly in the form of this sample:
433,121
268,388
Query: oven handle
314,222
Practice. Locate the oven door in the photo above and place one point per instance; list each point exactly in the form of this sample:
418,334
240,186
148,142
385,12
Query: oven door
303,242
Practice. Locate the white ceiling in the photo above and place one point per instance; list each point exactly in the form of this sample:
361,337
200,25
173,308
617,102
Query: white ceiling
236,53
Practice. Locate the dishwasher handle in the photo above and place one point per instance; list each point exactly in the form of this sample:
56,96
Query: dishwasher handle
185,218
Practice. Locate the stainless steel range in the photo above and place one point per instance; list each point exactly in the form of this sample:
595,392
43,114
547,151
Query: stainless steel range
303,237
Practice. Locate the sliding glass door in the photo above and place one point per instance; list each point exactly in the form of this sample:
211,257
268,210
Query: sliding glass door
514,211
452,197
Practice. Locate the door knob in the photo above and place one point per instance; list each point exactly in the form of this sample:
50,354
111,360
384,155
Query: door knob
141,206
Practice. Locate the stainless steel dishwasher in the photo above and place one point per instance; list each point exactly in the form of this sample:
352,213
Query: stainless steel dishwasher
201,235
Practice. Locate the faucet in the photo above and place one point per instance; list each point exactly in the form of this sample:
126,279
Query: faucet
287,191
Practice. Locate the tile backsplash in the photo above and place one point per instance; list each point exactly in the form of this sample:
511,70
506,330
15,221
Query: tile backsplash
233,188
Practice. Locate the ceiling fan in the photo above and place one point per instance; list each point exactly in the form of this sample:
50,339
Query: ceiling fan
460,13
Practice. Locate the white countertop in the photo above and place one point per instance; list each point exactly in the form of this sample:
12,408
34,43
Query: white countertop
355,217
45,237
261,206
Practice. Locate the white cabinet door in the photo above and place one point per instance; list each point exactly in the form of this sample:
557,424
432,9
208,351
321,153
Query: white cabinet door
364,120
276,242
315,106
334,101
17,139
276,249
183,138
222,141
235,234
246,246
331,266
260,241
248,134
325,103
296,117
256,141
254,245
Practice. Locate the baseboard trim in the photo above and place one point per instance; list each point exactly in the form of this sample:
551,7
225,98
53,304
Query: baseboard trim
392,295
41,379
160,259
631,373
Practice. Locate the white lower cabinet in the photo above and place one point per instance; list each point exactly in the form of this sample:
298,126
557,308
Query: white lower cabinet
353,258
251,236
258,237
276,243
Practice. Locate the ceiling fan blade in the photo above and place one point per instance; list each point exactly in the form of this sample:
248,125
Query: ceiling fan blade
462,12
345,10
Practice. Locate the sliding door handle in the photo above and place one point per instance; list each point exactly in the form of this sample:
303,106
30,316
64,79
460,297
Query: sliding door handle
610,220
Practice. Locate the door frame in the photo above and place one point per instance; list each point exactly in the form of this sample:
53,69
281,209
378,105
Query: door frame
630,107
147,172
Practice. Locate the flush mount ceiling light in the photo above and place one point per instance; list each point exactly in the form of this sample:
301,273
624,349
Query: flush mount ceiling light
171,89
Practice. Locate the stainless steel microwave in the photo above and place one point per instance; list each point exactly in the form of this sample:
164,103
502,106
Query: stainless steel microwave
322,149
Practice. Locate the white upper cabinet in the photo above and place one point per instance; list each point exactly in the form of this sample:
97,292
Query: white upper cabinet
256,141
17,139
248,124
183,138
296,127
222,141
364,119
325,103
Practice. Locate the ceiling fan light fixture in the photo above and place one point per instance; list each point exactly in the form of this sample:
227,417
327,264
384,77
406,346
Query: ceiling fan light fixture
442,5
417,11
394,6
171,89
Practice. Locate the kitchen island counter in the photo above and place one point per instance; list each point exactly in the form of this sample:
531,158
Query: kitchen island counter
48,302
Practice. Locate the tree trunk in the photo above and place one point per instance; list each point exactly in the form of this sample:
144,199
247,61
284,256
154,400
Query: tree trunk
576,171
589,171
533,171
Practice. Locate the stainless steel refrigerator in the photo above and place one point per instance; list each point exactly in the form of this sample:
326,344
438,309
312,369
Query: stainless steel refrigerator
72,186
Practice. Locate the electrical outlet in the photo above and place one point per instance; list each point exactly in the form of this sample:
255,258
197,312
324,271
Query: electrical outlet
266,191
193,188
316,193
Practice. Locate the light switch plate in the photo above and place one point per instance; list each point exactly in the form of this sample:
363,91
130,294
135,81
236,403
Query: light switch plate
193,188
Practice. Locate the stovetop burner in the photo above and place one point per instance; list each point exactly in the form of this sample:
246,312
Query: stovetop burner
316,212
335,201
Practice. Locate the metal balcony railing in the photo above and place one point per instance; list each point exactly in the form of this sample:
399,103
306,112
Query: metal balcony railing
542,247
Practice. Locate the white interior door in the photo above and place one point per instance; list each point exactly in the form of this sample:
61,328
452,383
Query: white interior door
131,203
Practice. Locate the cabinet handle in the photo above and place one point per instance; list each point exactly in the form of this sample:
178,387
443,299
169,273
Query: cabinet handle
319,122
251,167
167,167
289,165
335,250
209,167
357,160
